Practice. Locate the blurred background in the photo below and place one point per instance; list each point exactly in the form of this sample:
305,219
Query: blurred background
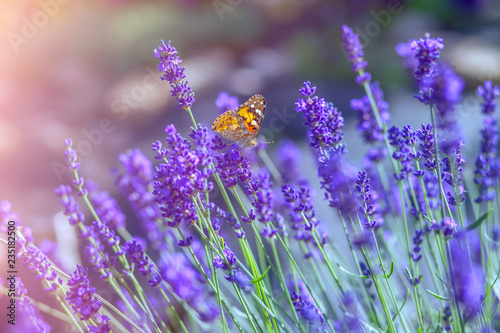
85,70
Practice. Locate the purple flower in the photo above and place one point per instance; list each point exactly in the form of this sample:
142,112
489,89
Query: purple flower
447,226
337,178
39,263
305,306
466,281
403,141
27,310
322,120
444,91
241,280
352,315
417,241
288,156
220,216
102,325
427,50
6,215
174,74
71,155
229,261
299,205
134,184
487,163
438,83
71,207
452,175
224,102
366,272
355,55
368,198
448,87
447,318
232,167
135,253
367,124
106,234
81,295
106,207
427,147
94,251
187,283
183,174
488,92
404,50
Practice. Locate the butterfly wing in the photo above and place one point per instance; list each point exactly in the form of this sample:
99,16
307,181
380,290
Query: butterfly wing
243,124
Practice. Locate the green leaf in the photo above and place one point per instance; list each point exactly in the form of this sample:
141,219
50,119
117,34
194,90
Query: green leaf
495,281
473,225
444,298
352,274
391,270
261,277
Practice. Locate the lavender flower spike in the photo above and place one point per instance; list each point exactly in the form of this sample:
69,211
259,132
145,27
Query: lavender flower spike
174,74
488,92
427,51
354,50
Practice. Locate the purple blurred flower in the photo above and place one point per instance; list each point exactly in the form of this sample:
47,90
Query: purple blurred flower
355,55
6,215
438,83
367,124
264,201
95,254
448,87
224,102
288,156
487,163
33,318
447,318
187,283
488,92
106,207
405,51
174,74
466,281
336,178
134,184
352,316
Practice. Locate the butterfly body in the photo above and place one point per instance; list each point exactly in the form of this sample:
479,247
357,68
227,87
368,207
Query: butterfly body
243,124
